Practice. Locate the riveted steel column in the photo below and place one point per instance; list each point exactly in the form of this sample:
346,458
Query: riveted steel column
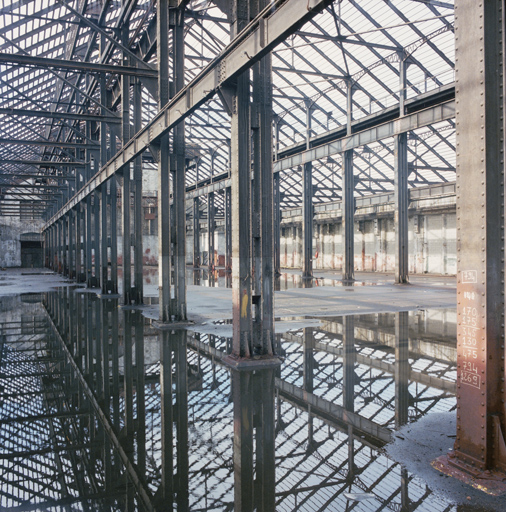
114,233
210,230
348,213
196,232
307,205
88,243
138,292
481,422
79,260
277,225
125,135
72,236
262,216
228,228
401,190
402,368
179,191
104,260
241,199
164,240
97,246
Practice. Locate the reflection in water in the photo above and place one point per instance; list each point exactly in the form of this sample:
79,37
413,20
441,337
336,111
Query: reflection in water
101,411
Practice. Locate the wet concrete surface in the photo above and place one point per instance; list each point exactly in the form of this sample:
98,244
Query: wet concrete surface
350,421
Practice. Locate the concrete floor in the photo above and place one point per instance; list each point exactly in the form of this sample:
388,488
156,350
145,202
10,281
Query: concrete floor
297,306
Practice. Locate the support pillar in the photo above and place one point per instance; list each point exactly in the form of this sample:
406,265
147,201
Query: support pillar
179,190
401,191
196,232
79,255
96,244
210,231
277,225
481,423
138,290
164,229
348,213
72,235
307,205
228,229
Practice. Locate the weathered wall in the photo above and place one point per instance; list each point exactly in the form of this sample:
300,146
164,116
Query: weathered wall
11,229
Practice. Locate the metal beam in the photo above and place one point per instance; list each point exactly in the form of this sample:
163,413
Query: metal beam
38,62
255,41
58,115
47,143
42,163
442,112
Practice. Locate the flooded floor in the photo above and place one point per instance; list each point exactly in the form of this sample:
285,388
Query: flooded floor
102,411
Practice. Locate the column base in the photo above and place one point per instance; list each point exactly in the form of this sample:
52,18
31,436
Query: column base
251,363
492,482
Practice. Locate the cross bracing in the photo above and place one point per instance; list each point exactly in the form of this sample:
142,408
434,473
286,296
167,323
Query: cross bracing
351,44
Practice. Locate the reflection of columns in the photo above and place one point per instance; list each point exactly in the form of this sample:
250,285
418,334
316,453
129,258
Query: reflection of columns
308,377
88,243
173,351
254,406
348,212
196,232
210,230
114,233
127,237
307,205
401,368
140,403
349,363
128,379
96,241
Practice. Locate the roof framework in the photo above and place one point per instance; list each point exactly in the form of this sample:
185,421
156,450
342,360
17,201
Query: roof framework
351,44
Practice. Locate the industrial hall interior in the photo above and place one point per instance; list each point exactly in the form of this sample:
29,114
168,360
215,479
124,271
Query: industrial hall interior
252,255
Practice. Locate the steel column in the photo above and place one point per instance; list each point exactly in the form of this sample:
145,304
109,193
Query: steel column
97,245
210,231
348,213
196,233
401,194
401,189
402,368
138,292
114,233
79,256
164,228
481,422
228,228
277,225
307,205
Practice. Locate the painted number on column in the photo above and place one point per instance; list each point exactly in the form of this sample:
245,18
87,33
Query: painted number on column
469,372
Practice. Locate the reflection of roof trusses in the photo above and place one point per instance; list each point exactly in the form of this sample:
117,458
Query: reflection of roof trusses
353,43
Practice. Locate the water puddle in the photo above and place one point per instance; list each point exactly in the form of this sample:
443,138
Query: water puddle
100,410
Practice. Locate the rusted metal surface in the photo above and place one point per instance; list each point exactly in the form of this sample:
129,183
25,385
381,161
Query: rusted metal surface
480,242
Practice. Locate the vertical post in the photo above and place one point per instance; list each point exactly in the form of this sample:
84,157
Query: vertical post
179,173
481,422
196,232
78,243
125,136
72,234
114,233
241,199
401,190
210,230
164,240
277,225
97,245
104,238
348,213
88,244
228,229
138,295
307,205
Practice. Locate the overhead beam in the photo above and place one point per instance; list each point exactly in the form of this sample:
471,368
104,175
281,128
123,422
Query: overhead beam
42,163
47,143
436,114
256,40
58,115
426,117
41,62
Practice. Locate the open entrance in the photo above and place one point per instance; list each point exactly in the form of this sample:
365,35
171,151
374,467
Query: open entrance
31,250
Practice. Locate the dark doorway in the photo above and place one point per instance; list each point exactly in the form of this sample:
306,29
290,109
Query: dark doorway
31,254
